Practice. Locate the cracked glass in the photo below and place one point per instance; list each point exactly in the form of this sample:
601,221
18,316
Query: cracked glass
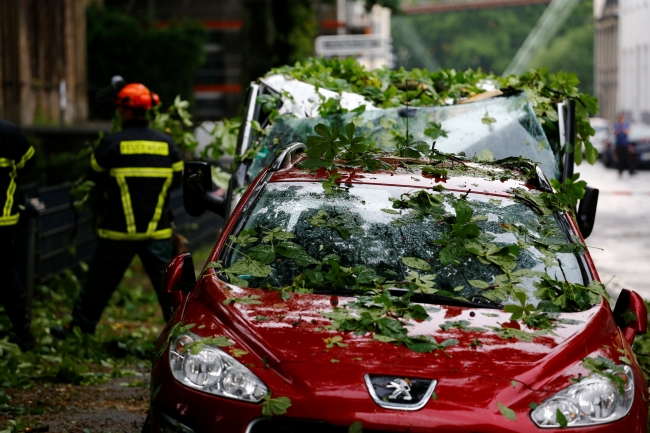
378,237
495,128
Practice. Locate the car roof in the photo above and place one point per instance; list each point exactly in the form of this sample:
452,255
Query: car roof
475,177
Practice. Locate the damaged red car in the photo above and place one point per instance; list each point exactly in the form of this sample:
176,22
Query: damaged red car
402,294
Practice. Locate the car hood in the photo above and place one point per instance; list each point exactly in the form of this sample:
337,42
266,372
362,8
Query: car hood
287,334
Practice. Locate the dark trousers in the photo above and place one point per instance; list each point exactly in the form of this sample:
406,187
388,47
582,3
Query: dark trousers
12,290
105,271
624,159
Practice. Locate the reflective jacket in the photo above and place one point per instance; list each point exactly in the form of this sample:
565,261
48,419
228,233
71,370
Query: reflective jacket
15,155
134,170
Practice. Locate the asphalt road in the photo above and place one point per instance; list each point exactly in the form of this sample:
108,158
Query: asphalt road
620,242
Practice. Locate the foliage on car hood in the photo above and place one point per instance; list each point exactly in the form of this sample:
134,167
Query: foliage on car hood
285,333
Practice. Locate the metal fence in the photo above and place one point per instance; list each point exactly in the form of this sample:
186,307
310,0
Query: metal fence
61,237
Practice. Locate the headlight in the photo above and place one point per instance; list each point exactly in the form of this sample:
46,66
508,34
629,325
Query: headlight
213,371
594,400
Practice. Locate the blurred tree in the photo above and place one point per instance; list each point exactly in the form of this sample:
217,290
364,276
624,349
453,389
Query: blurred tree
573,49
486,39
275,33
489,38
163,59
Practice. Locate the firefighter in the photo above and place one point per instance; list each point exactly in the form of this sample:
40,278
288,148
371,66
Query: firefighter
16,155
133,170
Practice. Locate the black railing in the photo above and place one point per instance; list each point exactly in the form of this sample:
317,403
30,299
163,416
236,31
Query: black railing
61,236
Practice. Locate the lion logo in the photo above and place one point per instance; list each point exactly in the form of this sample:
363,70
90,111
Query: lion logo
402,387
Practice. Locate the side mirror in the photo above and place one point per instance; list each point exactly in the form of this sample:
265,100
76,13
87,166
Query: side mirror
179,278
587,212
197,190
629,305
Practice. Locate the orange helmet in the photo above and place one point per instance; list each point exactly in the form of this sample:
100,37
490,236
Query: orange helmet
137,96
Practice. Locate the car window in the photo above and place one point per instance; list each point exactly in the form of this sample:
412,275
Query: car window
495,128
361,226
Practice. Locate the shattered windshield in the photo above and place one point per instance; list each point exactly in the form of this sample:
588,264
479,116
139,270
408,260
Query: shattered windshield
492,129
463,246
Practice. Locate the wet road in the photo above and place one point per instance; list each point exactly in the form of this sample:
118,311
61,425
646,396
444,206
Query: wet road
620,242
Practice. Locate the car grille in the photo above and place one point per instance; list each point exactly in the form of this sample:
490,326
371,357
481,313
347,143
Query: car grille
296,426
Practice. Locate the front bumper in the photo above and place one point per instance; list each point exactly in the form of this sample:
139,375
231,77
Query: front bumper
459,408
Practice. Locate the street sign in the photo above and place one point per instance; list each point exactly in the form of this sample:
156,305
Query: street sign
352,45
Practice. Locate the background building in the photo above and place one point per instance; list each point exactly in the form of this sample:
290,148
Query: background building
365,35
634,60
217,86
622,58
606,56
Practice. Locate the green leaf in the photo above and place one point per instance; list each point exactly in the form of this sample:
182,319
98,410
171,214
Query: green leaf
238,353
438,172
629,316
278,234
507,412
219,341
383,338
416,263
484,155
488,120
262,253
598,288
330,184
252,299
607,368
434,130
478,284
560,418
249,267
275,406
334,341
237,281
463,211
356,427
290,250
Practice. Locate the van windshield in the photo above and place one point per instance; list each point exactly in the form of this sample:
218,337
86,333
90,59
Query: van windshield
462,246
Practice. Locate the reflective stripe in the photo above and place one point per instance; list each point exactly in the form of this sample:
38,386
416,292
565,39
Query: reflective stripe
126,203
139,147
26,157
120,175
9,220
141,171
10,194
6,210
94,164
120,236
178,166
159,206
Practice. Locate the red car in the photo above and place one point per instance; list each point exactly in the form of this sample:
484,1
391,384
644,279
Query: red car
419,297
